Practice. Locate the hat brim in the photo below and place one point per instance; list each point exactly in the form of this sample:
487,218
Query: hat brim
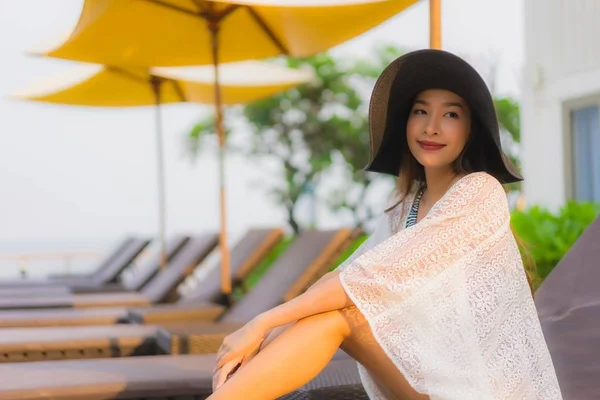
395,91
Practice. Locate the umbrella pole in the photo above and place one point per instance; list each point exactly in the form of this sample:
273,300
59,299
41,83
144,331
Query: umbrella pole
435,24
225,261
156,87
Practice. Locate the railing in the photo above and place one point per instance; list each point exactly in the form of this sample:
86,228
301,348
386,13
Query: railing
23,260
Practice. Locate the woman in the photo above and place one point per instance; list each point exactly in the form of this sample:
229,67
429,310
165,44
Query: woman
436,304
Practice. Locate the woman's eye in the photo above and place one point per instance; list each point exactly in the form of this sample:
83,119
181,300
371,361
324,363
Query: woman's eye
419,111
452,114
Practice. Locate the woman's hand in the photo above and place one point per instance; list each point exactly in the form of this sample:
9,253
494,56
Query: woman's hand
237,349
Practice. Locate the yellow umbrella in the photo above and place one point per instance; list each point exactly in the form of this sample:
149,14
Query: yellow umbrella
109,86
180,32
184,32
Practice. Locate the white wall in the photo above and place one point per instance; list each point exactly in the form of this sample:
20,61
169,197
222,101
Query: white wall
562,66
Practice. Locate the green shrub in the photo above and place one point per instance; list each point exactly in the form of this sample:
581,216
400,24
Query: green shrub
547,236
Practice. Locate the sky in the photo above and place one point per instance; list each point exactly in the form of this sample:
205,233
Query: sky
76,174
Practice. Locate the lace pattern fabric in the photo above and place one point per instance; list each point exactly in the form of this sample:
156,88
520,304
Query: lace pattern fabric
448,300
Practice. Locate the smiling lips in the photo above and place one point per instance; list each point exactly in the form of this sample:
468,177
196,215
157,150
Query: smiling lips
430,146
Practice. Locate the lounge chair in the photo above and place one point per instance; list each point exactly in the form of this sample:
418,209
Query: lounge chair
568,303
245,256
138,377
161,289
147,271
310,254
152,377
108,271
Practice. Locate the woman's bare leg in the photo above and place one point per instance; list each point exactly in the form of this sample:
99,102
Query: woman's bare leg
363,347
291,360
293,354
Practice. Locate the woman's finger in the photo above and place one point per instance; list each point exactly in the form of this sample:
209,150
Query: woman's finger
225,358
223,374
223,350
219,357
216,379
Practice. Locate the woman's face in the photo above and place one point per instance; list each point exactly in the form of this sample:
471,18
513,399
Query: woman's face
438,128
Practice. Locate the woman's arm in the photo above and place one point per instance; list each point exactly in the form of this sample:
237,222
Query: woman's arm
273,333
325,295
328,285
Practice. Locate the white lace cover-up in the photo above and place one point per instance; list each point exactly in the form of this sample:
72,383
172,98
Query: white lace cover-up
448,300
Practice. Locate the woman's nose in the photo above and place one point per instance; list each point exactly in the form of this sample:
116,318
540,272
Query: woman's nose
433,125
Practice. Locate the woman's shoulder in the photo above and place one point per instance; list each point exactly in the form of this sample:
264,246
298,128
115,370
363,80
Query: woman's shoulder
481,177
479,192
479,181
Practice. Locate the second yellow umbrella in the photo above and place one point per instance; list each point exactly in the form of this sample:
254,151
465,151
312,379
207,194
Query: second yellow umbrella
111,86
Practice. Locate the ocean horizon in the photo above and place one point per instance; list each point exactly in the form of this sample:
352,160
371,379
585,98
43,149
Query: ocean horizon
43,257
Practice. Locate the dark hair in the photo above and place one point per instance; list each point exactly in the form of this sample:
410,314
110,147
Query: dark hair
533,278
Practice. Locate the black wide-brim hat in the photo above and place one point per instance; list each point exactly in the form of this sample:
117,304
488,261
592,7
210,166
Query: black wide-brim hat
393,97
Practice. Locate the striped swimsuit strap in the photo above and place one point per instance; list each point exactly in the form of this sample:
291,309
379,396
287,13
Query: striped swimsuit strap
411,218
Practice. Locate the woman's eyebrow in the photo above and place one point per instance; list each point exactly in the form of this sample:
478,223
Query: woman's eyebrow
453,104
447,104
